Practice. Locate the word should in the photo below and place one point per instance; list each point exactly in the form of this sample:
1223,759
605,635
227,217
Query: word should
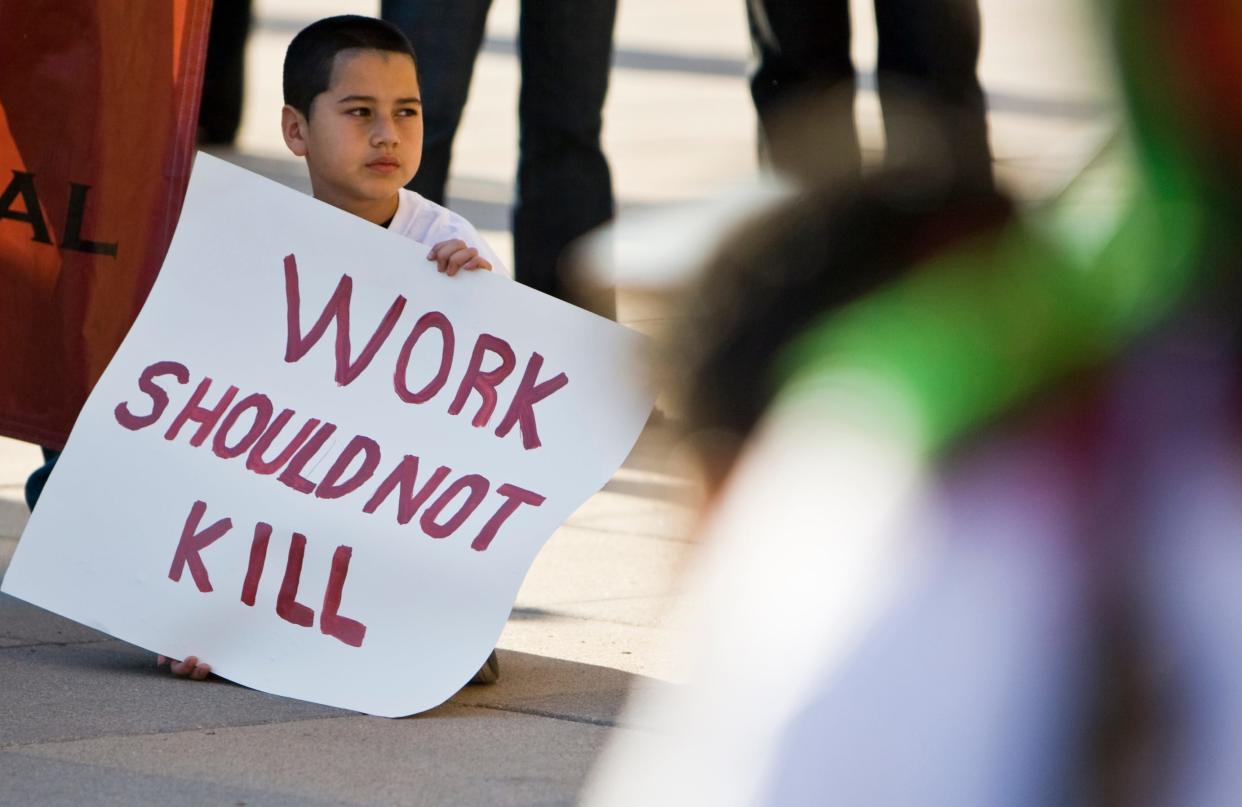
195,538
22,186
520,412
251,427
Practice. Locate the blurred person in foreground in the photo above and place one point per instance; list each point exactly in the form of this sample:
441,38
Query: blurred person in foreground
983,544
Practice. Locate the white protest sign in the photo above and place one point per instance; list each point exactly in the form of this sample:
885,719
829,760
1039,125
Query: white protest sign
318,464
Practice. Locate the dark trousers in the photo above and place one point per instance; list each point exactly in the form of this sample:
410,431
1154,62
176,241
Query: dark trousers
564,188
933,106
34,485
224,74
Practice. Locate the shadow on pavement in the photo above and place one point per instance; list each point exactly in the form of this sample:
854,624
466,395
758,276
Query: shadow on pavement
63,680
555,688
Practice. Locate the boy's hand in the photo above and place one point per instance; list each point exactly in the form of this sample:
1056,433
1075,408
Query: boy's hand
189,668
454,256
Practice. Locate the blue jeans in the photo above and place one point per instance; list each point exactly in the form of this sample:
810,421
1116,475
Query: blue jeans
564,188
34,485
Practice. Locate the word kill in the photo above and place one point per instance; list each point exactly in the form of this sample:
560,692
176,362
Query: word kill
195,538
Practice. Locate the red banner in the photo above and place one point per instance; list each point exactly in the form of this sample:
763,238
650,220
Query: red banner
98,112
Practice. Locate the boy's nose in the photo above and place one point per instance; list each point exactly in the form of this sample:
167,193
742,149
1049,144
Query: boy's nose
384,131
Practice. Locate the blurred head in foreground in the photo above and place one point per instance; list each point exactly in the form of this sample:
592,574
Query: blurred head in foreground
978,541
785,270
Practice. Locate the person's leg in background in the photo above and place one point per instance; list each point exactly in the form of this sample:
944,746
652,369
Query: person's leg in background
934,108
803,86
564,187
34,485
224,75
446,35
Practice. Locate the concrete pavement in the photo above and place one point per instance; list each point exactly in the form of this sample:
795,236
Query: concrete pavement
87,719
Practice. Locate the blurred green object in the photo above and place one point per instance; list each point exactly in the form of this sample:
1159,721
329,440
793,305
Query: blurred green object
974,332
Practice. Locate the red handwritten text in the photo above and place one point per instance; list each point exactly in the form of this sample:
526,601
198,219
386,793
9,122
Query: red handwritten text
195,539
489,350
274,444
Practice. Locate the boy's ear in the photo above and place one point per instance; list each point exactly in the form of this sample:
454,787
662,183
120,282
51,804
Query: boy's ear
293,126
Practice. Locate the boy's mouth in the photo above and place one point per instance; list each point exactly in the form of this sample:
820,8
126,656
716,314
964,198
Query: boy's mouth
385,165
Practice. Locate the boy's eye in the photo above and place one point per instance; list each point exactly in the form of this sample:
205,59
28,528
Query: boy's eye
358,112
407,112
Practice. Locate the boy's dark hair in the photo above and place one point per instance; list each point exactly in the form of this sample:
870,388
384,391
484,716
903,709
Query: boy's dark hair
309,59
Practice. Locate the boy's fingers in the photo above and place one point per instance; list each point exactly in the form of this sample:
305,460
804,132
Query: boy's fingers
188,668
454,256
459,259
445,248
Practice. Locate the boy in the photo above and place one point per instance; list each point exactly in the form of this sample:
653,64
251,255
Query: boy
352,110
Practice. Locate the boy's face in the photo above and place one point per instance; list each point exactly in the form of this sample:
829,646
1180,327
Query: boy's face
364,138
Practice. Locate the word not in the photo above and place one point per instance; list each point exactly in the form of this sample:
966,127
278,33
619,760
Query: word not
23,185
251,427
520,411
195,538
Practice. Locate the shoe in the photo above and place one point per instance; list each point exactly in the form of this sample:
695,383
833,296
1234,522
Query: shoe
489,673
